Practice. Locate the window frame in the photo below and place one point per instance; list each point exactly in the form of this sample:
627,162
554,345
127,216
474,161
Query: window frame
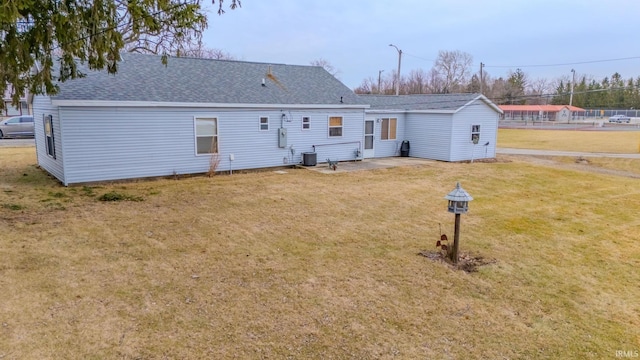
49,137
386,135
332,127
214,138
475,133
260,123
306,120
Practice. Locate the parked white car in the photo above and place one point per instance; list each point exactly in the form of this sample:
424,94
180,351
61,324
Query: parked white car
620,118
17,126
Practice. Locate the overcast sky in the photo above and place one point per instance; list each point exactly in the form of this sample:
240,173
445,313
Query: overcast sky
354,36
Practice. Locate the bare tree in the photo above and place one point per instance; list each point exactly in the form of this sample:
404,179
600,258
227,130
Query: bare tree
416,82
455,68
538,88
326,65
165,33
497,91
368,86
204,52
435,82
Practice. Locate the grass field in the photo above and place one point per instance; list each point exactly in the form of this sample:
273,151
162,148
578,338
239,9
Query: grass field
308,265
568,140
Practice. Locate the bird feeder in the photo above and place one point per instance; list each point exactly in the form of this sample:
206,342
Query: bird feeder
458,200
458,204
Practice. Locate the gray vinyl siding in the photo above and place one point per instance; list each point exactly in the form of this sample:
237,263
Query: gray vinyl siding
42,106
429,135
386,148
477,113
121,143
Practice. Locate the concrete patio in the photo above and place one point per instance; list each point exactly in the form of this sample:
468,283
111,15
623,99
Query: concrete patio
368,164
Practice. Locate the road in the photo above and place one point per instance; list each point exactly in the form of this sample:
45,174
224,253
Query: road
582,125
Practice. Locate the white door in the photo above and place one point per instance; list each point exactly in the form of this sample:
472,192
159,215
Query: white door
368,139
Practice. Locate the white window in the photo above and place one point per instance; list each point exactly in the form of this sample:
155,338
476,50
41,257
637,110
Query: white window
206,135
306,123
388,129
335,126
48,136
475,133
264,123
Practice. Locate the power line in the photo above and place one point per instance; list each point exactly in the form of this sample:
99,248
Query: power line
564,64
418,57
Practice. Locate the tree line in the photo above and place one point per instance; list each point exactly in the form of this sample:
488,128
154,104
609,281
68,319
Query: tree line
452,72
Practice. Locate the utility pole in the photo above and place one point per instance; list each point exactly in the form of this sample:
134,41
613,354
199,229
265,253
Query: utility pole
481,80
573,80
399,62
379,82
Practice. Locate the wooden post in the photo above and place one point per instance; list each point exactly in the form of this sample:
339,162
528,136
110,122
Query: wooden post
456,238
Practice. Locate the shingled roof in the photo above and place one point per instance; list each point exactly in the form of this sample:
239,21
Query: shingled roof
143,78
423,102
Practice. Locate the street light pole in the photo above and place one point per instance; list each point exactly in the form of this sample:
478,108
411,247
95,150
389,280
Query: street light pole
379,80
399,62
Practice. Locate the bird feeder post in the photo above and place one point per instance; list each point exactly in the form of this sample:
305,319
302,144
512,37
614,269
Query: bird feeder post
456,240
458,204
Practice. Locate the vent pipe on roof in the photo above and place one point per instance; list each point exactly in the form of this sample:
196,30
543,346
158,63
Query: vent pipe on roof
264,82
269,70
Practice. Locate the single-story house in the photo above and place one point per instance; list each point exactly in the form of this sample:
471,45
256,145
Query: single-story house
152,120
195,115
446,127
539,112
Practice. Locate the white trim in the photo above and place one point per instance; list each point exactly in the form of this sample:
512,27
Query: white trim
216,136
475,132
486,101
388,128
307,123
329,127
403,111
91,103
260,123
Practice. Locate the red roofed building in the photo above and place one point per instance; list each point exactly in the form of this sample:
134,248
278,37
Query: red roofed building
539,112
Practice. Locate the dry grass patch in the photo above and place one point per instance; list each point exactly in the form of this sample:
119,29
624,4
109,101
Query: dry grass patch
631,166
568,140
305,265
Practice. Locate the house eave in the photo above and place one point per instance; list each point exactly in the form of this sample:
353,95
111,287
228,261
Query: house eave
435,111
104,103
485,100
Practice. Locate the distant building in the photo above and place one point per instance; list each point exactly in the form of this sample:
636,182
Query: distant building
539,112
10,110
